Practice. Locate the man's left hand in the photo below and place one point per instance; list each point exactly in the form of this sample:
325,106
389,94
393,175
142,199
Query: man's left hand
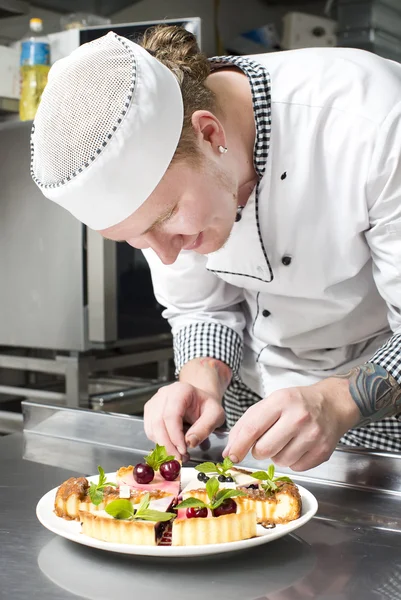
296,427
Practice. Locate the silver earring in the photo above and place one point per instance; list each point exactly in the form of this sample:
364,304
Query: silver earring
238,216
222,149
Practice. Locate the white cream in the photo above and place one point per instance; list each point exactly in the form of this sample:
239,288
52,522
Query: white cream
125,491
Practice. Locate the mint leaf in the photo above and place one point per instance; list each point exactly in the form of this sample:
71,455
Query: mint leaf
212,487
270,472
95,494
223,495
102,476
262,475
144,503
154,515
270,486
227,464
157,457
96,490
284,479
206,467
120,509
192,503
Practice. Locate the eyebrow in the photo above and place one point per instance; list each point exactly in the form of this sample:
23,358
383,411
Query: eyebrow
162,218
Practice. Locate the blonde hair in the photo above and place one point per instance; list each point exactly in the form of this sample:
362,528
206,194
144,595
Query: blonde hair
178,50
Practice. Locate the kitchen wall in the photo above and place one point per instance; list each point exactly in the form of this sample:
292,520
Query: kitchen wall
14,28
235,16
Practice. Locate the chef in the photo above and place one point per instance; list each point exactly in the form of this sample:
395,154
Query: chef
265,192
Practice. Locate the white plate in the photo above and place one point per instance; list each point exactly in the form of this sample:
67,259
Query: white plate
71,530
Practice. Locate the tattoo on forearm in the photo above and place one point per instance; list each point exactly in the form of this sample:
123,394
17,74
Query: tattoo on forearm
222,370
376,393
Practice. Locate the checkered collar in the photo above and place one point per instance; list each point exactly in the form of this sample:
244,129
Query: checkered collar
259,80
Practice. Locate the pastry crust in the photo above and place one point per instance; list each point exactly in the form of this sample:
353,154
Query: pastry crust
142,533
214,530
69,496
72,496
281,506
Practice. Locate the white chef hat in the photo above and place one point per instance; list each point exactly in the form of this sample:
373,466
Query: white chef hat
106,129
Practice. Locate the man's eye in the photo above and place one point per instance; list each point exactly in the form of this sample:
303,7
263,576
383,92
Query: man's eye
170,215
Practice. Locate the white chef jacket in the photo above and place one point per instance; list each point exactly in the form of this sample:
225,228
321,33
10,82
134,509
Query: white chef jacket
309,282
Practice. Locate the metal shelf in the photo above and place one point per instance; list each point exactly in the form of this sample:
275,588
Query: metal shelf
8,105
13,8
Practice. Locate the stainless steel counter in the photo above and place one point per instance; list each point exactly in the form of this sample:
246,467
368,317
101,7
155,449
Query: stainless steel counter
350,550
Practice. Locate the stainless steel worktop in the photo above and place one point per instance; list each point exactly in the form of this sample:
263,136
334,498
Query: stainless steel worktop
350,550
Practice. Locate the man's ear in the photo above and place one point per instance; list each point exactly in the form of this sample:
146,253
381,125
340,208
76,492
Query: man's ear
208,129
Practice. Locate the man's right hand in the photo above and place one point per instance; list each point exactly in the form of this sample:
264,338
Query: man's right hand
176,404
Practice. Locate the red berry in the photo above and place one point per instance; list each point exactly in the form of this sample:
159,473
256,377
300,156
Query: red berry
227,508
143,473
196,513
170,470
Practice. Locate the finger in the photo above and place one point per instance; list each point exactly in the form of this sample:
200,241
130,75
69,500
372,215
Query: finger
174,414
274,440
212,416
163,439
175,429
312,459
292,452
305,462
248,429
147,421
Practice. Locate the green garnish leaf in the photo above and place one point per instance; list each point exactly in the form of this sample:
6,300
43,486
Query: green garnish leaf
102,476
157,457
269,481
206,467
270,486
192,503
120,509
144,503
219,468
95,494
154,515
262,475
227,464
96,490
212,487
123,509
223,495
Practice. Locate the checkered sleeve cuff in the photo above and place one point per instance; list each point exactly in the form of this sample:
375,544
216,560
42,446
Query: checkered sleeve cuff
389,357
207,339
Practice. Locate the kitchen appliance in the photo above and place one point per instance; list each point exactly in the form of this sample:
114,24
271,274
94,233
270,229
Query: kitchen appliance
64,42
9,73
301,30
373,25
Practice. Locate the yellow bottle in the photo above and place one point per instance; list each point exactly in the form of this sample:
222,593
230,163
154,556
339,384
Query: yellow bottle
35,66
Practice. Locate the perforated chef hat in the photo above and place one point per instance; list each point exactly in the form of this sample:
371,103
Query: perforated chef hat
106,129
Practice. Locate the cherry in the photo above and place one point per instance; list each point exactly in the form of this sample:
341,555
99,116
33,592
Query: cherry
143,473
170,470
196,513
227,508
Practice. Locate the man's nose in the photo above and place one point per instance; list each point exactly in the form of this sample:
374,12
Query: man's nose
167,248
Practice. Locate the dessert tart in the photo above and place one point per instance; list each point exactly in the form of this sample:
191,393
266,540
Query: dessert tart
69,496
274,499
126,522
228,475
159,472
142,521
215,519
77,494
222,504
